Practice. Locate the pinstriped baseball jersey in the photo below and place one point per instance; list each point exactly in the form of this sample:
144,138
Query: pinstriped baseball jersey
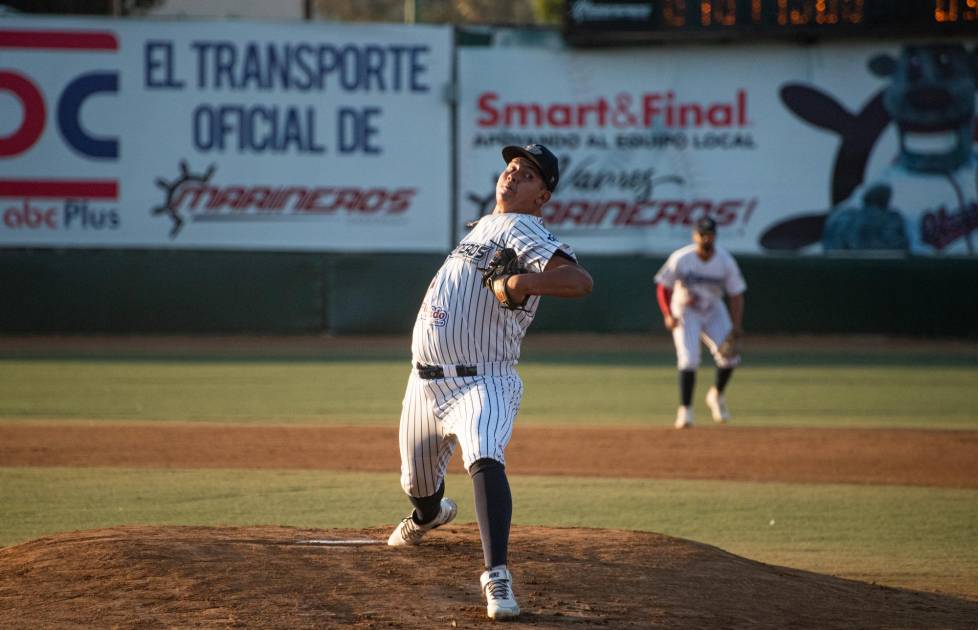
460,323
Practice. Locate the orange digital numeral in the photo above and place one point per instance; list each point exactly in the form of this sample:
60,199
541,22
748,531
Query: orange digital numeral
955,10
805,12
852,11
945,11
795,12
722,12
827,11
674,13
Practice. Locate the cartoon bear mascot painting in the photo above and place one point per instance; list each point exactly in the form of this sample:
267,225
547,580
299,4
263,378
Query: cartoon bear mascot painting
926,200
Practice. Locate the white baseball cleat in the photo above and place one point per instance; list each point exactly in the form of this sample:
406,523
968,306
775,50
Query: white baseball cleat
497,586
409,532
718,405
684,417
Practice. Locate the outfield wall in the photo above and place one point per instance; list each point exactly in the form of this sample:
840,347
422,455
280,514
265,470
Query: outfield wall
206,292
236,177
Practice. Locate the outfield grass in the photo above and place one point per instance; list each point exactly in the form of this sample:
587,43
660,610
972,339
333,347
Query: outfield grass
922,392
898,535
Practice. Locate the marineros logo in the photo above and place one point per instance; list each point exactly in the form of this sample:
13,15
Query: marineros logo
197,197
475,252
695,279
646,213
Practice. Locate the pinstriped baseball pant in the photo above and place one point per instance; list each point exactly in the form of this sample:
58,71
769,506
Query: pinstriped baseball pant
475,413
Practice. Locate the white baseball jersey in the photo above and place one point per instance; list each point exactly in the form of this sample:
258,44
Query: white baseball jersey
697,284
461,325
698,287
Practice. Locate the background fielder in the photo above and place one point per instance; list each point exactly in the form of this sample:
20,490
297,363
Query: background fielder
690,288
463,389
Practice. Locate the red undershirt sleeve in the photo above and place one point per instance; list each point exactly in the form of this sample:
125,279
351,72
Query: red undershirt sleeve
664,295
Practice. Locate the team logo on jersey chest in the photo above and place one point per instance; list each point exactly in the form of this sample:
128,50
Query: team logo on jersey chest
691,279
472,251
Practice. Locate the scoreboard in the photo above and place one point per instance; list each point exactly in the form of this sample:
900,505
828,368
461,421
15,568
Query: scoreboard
607,22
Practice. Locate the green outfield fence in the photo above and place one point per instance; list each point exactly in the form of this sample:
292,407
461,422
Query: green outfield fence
74,291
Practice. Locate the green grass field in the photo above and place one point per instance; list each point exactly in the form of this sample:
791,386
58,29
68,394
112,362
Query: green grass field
891,534
872,389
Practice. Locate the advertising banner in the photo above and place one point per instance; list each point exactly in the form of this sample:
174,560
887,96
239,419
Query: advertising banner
842,147
305,136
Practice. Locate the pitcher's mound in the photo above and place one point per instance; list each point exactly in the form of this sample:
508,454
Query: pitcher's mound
276,577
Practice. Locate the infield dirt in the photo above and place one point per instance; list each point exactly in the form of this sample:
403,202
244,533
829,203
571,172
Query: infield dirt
873,456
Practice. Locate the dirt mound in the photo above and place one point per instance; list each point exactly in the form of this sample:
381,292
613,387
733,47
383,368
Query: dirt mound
273,577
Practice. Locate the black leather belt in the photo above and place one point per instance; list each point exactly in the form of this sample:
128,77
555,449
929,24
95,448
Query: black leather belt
429,372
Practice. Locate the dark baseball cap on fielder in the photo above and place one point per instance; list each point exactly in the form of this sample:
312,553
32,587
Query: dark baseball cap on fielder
706,225
539,155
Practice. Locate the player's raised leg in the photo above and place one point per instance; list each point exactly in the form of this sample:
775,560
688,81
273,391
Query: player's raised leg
425,454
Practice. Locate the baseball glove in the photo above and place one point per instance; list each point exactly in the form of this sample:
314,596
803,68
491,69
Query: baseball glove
730,346
504,264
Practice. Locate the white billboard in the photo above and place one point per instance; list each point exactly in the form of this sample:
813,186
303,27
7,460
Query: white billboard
306,136
854,147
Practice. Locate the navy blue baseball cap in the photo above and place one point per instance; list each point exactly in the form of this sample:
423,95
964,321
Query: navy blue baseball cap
706,225
545,161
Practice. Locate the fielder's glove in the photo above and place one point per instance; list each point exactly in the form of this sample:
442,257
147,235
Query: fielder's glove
730,346
504,264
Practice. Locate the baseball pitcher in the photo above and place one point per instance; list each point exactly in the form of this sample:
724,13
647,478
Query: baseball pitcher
463,389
